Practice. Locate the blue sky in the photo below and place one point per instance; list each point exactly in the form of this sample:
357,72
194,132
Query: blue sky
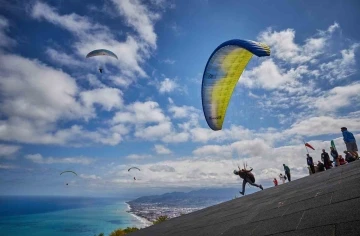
58,112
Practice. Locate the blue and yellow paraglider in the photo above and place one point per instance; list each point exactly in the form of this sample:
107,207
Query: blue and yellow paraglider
221,75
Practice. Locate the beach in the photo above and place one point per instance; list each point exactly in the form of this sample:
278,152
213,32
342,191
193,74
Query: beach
144,221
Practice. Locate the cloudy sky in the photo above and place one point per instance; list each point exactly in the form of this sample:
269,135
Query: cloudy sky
57,112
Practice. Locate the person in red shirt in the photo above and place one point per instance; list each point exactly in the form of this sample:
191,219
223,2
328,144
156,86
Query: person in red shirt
275,182
341,160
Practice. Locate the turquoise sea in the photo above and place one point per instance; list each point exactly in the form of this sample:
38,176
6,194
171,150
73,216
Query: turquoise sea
60,216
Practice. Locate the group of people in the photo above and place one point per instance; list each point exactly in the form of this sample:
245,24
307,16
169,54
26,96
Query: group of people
282,177
351,154
338,160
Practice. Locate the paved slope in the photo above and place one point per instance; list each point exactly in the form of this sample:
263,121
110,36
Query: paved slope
326,203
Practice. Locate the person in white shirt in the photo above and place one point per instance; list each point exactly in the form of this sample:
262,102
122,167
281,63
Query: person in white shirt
282,178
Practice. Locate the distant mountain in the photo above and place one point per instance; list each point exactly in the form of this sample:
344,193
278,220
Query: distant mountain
196,198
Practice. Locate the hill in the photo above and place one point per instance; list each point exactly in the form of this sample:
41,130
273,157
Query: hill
326,203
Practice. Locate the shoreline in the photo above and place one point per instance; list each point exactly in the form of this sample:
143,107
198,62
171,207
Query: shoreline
144,222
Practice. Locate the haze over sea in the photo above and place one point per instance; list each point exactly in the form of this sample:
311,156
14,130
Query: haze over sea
60,216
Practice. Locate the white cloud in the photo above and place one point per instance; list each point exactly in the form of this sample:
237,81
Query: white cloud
322,125
253,148
240,149
34,97
35,91
161,149
332,28
7,167
283,44
342,67
93,177
149,122
5,41
339,97
217,151
140,113
139,17
269,76
298,86
169,61
94,82
64,59
161,168
27,132
39,159
121,81
183,111
154,132
138,156
109,98
7,150
205,134
167,86
176,137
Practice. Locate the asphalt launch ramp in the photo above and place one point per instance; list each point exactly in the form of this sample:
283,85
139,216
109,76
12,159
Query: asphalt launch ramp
326,203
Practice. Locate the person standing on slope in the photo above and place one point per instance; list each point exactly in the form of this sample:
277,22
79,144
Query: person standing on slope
310,162
282,178
350,142
247,177
287,172
335,156
275,182
326,159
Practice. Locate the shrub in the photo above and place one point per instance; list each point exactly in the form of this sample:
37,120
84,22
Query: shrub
160,219
121,232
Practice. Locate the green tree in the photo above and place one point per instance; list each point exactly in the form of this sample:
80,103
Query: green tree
121,232
160,219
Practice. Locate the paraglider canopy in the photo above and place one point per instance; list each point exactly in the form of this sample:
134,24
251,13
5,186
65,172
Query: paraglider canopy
221,75
101,52
133,168
68,171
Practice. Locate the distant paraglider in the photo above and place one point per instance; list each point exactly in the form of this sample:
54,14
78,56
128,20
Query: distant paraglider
101,52
68,171
221,75
131,168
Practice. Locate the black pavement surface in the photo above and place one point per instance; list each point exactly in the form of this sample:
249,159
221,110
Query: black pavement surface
326,203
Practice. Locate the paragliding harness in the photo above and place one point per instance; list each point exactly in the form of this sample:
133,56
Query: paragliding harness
249,175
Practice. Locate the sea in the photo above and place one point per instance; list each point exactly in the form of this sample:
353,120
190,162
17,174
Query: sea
64,216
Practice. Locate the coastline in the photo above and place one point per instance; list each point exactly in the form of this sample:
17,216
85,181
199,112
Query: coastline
144,222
